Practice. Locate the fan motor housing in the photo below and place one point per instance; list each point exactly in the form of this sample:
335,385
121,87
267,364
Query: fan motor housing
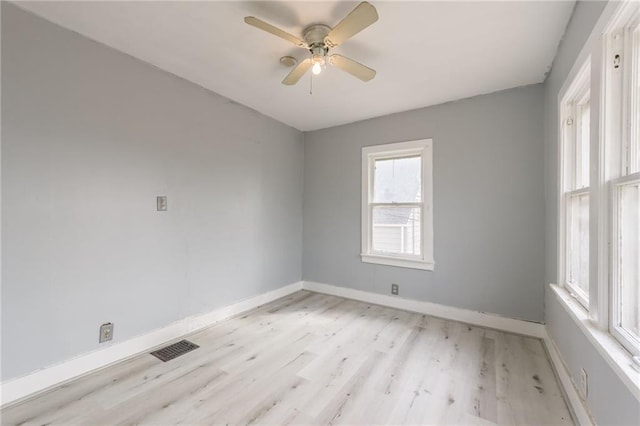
314,35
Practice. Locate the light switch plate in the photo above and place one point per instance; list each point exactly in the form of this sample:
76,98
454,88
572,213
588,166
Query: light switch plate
161,203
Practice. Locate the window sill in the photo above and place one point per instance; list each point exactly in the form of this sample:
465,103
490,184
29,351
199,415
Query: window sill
618,358
396,261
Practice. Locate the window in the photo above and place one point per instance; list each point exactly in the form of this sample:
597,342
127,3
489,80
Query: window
622,144
397,213
575,161
602,209
599,190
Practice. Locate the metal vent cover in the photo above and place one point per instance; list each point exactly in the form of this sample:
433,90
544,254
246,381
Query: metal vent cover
174,350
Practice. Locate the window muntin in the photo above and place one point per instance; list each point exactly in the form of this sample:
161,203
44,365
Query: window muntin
397,224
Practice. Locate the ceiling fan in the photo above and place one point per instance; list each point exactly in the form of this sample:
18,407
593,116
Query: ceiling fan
319,38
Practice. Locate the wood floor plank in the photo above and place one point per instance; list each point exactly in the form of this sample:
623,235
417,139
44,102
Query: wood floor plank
347,395
520,396
316,359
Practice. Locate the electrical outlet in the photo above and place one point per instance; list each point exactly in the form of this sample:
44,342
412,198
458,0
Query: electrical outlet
161,203
394,289
106,332
584,383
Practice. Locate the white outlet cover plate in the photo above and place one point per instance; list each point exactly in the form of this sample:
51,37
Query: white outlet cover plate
584,388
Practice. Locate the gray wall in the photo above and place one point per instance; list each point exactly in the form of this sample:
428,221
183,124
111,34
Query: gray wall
609,400
488,204
90,136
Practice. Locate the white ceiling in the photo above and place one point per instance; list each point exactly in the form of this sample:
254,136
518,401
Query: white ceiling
425,53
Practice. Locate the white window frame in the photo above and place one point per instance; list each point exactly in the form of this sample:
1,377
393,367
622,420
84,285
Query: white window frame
607,162
424,149
620,144
570,173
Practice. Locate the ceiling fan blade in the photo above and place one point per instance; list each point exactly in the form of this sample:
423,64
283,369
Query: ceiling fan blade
251,20
360,18
354,68
297,72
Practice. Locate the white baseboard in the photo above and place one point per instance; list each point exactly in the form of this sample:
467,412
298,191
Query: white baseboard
17,389
580,412
482,319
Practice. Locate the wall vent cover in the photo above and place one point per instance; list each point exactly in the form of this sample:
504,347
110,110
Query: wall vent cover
175,350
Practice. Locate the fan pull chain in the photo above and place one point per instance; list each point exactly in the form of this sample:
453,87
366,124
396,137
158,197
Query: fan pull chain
311,85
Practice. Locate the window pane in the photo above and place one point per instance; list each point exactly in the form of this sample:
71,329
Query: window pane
582,159
578,243
629,257
634,163
397,180
396,230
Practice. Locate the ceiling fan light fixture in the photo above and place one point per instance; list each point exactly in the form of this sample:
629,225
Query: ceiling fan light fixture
319,38
318,60
317,68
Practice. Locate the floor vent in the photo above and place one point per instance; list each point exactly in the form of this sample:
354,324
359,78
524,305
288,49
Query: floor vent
175,350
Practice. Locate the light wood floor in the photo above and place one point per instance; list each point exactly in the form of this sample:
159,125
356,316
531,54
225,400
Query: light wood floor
317,359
